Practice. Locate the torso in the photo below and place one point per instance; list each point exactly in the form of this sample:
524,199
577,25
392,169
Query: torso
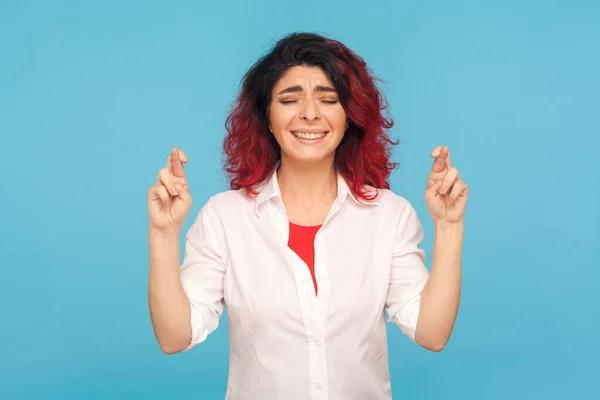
286,340
275,313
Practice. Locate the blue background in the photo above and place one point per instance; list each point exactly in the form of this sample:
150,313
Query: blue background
94,94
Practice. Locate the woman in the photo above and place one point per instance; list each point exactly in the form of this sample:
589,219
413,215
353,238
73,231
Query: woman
310,248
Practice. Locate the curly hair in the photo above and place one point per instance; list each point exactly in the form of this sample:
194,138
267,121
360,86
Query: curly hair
362,157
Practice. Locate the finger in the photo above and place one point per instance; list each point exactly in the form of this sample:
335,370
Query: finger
438,165
442,161
436,151
461,200
447,156
449,180
183,194
166,179
177,164
183,157
431,182
457,189
160,192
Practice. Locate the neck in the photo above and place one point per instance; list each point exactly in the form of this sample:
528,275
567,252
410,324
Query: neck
307,184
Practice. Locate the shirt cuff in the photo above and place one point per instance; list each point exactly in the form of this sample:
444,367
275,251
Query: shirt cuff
199,331
406,318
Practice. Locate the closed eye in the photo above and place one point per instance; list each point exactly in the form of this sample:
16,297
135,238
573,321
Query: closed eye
290,101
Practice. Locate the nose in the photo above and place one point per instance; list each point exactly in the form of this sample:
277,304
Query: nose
310,111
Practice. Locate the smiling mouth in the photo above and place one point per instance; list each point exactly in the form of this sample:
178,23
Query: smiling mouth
310,135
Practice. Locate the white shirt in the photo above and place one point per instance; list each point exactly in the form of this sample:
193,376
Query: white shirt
286,342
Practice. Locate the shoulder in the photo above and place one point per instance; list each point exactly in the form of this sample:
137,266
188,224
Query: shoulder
398,209
388,199
217,211
404,214
227,201
225,204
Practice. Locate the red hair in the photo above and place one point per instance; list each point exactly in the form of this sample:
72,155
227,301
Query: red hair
362,157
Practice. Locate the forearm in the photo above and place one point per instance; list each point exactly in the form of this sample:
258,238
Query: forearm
168,302
441,295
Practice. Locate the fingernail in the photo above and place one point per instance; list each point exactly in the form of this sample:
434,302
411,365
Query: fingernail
173,191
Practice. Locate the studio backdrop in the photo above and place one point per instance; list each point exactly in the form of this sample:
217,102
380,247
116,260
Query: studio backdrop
93,96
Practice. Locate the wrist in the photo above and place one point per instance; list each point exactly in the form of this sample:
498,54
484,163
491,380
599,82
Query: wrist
163,235
454,227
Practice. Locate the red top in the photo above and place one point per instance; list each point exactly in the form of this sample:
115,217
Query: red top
301,241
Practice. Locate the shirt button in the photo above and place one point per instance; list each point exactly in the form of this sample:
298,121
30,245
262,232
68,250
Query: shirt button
317,343
319,386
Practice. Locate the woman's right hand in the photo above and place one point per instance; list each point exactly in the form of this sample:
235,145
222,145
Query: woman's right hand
169,201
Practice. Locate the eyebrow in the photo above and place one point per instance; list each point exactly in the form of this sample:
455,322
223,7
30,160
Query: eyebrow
298,88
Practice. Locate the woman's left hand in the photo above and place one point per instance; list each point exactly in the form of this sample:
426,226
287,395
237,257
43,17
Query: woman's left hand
446,194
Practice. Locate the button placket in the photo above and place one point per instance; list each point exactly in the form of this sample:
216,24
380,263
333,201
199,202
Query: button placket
319,309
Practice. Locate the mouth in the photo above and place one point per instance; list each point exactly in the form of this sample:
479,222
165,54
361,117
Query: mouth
310,136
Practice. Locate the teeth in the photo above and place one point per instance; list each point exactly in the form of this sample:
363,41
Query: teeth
309,136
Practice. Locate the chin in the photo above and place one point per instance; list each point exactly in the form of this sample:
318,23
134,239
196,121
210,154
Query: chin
310,157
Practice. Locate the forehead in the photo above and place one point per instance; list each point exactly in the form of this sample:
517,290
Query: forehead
303,75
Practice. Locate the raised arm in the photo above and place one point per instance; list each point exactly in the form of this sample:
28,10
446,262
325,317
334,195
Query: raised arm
446,198
168,206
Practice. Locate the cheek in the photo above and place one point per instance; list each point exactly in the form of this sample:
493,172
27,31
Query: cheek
337,118
279,118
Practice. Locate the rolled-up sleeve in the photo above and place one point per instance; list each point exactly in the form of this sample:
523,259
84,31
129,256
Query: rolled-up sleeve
202,274
408,274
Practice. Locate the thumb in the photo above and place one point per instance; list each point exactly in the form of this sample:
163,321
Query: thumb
433,190
183,194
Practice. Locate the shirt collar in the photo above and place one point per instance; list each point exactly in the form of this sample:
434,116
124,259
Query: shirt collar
270,189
